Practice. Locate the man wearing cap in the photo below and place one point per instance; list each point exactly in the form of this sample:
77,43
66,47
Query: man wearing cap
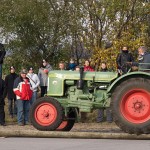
35,82
2,55
43,76
23,90
9,82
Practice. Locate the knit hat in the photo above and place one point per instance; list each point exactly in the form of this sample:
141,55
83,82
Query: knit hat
44,60
12,67
30,68
23,71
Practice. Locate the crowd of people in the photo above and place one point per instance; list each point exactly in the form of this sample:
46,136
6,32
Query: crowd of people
21,90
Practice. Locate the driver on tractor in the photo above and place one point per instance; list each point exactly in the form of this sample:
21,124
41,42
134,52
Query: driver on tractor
143,60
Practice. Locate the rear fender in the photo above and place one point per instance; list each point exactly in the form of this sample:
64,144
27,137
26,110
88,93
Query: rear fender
126,77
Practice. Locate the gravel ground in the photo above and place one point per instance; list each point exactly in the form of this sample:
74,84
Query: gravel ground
80,130
78,127
96,127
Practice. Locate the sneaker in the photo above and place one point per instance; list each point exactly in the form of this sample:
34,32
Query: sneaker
27,123
109,121
2,124
20,124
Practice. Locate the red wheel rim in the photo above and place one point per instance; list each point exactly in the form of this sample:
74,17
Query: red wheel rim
62,125
45,114
135,106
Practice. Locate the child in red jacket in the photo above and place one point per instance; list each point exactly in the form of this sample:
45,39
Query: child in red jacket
87,66
23,90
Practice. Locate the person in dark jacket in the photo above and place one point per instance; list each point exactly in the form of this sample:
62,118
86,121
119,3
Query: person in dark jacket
23,90
100,116
122,60
2,55
143,59
9,82
2,103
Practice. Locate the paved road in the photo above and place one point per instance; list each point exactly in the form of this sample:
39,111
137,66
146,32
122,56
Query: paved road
71,144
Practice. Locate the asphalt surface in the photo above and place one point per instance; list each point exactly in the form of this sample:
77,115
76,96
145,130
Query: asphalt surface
71,144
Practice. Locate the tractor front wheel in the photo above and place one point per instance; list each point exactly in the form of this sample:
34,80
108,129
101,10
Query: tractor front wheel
46,114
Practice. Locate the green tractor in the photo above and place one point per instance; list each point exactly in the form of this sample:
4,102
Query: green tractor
72,92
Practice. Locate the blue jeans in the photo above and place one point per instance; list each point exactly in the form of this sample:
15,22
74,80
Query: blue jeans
12,106
23,111
34,96
0,70
100,117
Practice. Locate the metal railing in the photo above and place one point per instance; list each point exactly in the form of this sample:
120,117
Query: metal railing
144,67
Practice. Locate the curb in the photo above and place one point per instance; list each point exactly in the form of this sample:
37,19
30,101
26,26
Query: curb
80,135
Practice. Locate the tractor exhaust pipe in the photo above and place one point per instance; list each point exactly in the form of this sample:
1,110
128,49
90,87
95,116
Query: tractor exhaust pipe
80,81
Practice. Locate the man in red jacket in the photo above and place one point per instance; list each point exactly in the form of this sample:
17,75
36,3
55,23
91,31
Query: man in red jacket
23,90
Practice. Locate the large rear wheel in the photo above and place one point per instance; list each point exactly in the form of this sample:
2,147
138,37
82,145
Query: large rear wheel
131,106
46,114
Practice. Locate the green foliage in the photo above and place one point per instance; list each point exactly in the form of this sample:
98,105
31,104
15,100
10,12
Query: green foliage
60,29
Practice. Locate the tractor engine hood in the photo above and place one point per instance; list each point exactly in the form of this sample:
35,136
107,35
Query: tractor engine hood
58,78
74,75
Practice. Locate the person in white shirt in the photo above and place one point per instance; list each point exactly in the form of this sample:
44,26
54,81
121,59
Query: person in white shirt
35,82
